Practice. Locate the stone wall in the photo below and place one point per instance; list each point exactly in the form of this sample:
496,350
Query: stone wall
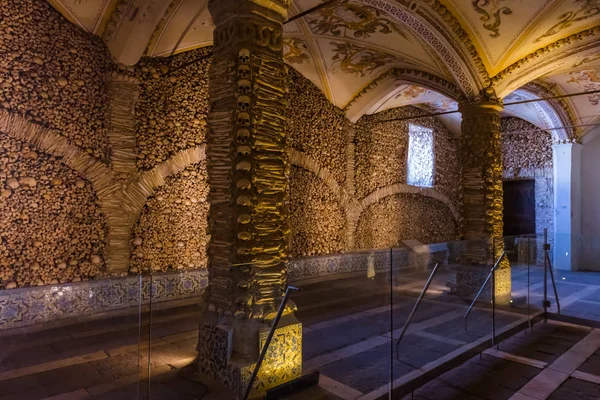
52,73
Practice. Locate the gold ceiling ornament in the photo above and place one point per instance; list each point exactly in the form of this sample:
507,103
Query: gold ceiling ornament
360,61
587,9
295,50
360,19
487,15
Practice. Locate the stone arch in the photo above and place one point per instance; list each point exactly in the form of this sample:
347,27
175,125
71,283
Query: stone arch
367,99
453,57
553,115
546,60
54,144
401,188
347,201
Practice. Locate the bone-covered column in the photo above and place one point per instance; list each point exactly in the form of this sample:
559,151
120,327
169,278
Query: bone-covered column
248,172
481,155
247,159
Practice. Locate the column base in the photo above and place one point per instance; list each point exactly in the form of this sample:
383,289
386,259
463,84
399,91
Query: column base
469,279
218,360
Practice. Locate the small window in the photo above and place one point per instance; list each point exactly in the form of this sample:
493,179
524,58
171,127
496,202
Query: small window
420,156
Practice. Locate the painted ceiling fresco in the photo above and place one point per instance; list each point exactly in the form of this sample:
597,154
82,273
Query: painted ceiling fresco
352,47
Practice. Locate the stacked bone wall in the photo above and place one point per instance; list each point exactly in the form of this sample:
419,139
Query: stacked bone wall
404,216
315,128
171,232
172,106
381,161
52,73
317,220
527,154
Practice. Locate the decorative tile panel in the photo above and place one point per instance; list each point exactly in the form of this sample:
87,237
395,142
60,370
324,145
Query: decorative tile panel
33,305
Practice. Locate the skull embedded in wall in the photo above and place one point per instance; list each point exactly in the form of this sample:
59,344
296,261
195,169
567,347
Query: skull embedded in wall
243,119
243,103
244,71
243,150
243,135
244,86
244,56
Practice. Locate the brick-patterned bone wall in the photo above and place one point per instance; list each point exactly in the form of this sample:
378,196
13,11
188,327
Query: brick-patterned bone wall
394,218
171,232
51,227
317,220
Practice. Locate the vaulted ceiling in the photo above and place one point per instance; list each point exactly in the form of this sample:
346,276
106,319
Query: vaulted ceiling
371,55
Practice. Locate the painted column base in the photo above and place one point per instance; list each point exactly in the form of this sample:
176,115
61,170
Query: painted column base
469,279
218,361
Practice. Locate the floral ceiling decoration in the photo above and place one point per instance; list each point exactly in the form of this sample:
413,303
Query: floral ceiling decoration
586,9
491,12
588,81
353,19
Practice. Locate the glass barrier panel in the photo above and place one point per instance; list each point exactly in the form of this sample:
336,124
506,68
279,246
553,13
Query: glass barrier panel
70,337
344,308
173,309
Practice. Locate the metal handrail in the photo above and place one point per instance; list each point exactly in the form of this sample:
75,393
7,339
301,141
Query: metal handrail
414,310
263,352
553,283
496,265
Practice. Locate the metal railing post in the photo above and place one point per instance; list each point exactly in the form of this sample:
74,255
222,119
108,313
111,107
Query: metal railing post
493,307
545,301
263,352
414,310
483,286
553,282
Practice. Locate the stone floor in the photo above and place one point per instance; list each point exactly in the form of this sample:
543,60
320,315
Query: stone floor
546,362
348,325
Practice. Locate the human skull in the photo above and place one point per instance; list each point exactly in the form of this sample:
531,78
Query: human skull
244,56
244,86
244,71
243,103
243,119
243,135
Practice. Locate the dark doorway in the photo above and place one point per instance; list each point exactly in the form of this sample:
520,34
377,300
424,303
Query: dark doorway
519,207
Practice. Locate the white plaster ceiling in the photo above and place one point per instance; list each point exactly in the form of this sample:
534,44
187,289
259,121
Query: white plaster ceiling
346,49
